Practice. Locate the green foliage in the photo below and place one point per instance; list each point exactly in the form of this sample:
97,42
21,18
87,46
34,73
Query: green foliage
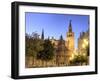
48,52
33,45
39,48
79,59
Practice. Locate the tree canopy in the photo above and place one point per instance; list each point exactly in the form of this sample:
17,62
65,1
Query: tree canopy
48,52
39,48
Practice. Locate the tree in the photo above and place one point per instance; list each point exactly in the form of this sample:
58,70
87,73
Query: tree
79,59
35,35
33,45
48,52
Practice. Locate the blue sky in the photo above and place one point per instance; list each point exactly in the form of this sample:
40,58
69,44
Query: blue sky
55,25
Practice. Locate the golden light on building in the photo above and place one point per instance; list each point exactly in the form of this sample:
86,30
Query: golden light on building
83,45
84,54
85,41
72,57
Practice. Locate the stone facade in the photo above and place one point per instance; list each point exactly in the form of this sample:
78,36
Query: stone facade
83,42
83,45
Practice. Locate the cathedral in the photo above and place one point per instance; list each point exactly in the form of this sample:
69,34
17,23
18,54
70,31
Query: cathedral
63,50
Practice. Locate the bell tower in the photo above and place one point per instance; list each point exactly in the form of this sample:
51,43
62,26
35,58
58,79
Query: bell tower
70,38
69,43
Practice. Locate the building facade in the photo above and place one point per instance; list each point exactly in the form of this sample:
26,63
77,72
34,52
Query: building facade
83,46
83,42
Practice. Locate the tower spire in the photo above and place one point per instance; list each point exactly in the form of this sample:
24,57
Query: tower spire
70,26
42,36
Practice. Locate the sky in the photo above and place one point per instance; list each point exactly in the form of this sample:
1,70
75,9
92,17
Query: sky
55,25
